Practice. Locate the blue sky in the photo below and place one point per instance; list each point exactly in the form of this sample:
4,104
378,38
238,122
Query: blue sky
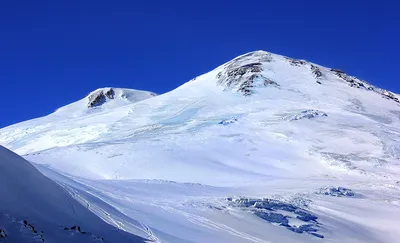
54,52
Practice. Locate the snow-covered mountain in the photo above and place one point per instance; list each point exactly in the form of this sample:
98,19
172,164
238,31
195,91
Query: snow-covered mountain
264,148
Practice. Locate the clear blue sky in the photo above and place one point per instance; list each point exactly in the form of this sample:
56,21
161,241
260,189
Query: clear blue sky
54,52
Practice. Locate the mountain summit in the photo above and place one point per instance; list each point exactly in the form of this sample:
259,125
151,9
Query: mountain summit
259,69
105,99
263,148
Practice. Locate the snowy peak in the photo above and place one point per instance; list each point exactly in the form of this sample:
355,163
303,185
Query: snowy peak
103,95
100,96
249,72
245,72
104,99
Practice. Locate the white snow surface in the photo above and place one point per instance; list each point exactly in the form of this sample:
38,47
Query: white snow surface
164,167
34,208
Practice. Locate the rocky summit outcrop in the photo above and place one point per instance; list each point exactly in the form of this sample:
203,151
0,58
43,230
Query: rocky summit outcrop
357,83
244,73
98,97
295,62
248,72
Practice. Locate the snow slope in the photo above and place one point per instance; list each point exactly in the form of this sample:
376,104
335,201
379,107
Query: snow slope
194,164
34,208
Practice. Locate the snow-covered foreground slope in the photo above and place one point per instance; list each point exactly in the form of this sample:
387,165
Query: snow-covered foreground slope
35,209
262,149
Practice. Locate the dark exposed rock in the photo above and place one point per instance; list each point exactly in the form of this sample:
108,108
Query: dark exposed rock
355,82
316,71
295,62
245,73
77,228
307,114
228,121
273,217
271,204
336,70
388,95
3,233
110,94
317,235
97,98
305,228
247,86
245,77
343,76
39,235
260,56
305,216
277,212
337,192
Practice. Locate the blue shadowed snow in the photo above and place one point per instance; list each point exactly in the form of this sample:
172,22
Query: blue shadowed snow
281,213
228,121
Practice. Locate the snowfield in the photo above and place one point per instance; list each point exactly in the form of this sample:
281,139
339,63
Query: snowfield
264,148
36,209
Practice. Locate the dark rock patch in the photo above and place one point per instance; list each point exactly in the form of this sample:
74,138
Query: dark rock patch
336,70
100,97
30,227
295,62
355,82
261,56
316,71
228,121
3,233
77,229
246,88
273,217
245,77
305,216
307,114
279,213
337,192
245,73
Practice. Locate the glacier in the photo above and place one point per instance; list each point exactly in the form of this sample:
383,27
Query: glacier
319,144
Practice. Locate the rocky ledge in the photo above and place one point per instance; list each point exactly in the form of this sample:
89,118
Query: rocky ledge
357,83
98,97
244,73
